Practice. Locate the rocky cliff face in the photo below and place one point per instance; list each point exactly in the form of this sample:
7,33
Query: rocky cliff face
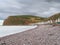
22,20
12,20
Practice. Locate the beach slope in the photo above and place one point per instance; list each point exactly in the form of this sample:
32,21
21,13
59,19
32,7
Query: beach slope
42,35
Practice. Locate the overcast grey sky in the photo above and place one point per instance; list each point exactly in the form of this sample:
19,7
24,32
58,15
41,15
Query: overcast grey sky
43,8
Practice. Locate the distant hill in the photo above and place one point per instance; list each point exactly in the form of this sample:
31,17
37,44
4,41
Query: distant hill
22,20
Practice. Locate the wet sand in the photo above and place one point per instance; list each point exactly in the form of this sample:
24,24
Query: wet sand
42,35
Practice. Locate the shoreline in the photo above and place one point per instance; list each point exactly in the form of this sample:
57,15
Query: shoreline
41,35
37,26
14,29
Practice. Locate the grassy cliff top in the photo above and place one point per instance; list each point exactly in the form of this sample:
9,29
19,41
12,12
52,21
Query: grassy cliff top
26,16
22,20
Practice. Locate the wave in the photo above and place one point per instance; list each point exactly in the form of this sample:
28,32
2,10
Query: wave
1,22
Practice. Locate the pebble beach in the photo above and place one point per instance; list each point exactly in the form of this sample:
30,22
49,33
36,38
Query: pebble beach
41,35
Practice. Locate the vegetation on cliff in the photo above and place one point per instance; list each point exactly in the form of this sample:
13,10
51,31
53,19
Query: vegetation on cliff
22,20
29,19
54,18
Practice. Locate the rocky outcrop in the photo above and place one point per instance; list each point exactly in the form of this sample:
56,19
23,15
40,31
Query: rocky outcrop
13,20
22,20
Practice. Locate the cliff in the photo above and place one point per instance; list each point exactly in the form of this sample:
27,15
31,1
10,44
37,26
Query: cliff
22,20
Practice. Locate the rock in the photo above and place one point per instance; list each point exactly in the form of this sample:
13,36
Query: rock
14,20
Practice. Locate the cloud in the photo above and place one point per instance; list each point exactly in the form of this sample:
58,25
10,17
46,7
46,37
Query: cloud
53,0
43,8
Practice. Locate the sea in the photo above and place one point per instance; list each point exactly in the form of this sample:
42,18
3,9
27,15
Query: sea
1,22
9,30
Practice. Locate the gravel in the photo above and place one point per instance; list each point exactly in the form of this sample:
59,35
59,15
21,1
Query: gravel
41,35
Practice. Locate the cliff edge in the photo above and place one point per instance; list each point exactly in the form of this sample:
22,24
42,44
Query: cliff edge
22,20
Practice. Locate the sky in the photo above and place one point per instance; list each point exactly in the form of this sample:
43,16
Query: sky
44,8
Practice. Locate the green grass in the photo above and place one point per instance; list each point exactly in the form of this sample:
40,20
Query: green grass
23,19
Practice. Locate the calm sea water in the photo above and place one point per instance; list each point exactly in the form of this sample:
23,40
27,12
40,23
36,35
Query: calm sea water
8,30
